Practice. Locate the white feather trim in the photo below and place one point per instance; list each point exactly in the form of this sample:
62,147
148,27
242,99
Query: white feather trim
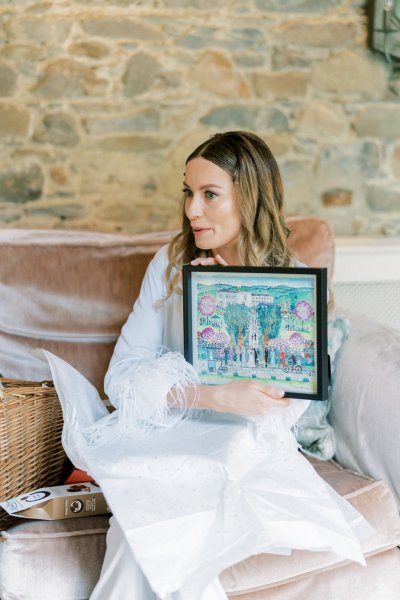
152,394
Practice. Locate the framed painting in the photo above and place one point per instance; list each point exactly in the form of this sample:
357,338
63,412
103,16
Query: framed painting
265,323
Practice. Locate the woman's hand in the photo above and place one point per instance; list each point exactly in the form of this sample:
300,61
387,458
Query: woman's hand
246,397
205,261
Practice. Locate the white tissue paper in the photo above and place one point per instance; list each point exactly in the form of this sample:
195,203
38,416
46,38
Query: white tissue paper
206,492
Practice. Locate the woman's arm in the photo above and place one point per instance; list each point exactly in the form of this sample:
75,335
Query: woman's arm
244,397
142,335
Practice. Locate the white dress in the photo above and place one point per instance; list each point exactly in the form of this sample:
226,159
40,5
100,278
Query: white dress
190,497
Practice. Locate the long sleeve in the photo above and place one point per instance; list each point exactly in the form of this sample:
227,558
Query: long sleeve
141,335
153,327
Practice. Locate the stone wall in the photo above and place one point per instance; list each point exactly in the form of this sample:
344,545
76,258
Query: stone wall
101,101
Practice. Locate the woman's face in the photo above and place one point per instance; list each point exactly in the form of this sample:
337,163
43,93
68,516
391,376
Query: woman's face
211,207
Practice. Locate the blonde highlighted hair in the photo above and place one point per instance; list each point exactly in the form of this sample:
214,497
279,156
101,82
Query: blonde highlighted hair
263,239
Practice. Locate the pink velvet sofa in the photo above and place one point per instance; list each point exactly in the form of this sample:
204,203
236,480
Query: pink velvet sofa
70,292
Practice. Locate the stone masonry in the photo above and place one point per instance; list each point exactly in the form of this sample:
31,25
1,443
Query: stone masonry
101,101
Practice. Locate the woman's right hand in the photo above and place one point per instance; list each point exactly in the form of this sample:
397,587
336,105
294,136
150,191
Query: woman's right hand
246,397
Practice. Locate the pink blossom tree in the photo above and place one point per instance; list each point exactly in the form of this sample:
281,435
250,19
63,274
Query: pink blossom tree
208,334
303,311
207,306
296,340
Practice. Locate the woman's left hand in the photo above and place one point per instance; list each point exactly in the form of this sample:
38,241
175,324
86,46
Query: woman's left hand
205,261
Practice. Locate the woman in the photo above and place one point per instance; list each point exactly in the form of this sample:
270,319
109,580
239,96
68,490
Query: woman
191,496
232,214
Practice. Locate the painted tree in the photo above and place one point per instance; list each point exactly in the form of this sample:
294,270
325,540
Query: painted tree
208,334
207,306
303,311
270,318
296,341
236,317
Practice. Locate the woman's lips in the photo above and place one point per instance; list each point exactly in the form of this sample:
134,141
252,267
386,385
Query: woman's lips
201,230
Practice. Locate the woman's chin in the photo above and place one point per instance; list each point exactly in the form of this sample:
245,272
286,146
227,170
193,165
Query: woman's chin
202,245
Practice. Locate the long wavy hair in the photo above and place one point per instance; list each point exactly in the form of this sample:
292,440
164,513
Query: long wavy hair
263,238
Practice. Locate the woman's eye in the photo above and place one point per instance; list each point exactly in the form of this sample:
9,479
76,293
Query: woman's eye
210,195
187,193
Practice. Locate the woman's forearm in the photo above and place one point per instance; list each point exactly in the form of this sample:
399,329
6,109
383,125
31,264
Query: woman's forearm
244,397
201,396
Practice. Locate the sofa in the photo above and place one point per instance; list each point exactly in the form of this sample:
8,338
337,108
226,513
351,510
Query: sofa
70,292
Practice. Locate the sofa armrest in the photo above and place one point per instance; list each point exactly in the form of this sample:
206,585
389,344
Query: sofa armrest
365,411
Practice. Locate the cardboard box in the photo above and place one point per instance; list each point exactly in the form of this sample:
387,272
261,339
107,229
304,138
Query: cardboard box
58,502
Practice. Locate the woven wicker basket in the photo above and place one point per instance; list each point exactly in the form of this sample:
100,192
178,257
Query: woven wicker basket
31,454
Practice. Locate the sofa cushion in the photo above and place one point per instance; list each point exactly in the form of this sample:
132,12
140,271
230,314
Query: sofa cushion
64,546
366,406
68,292
52,559
372,498
379,581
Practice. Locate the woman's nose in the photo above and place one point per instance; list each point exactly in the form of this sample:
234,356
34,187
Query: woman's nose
194,207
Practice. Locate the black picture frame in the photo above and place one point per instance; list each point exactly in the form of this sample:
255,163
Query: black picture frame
268,323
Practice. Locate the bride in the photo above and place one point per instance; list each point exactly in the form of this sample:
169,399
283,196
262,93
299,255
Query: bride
200,477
